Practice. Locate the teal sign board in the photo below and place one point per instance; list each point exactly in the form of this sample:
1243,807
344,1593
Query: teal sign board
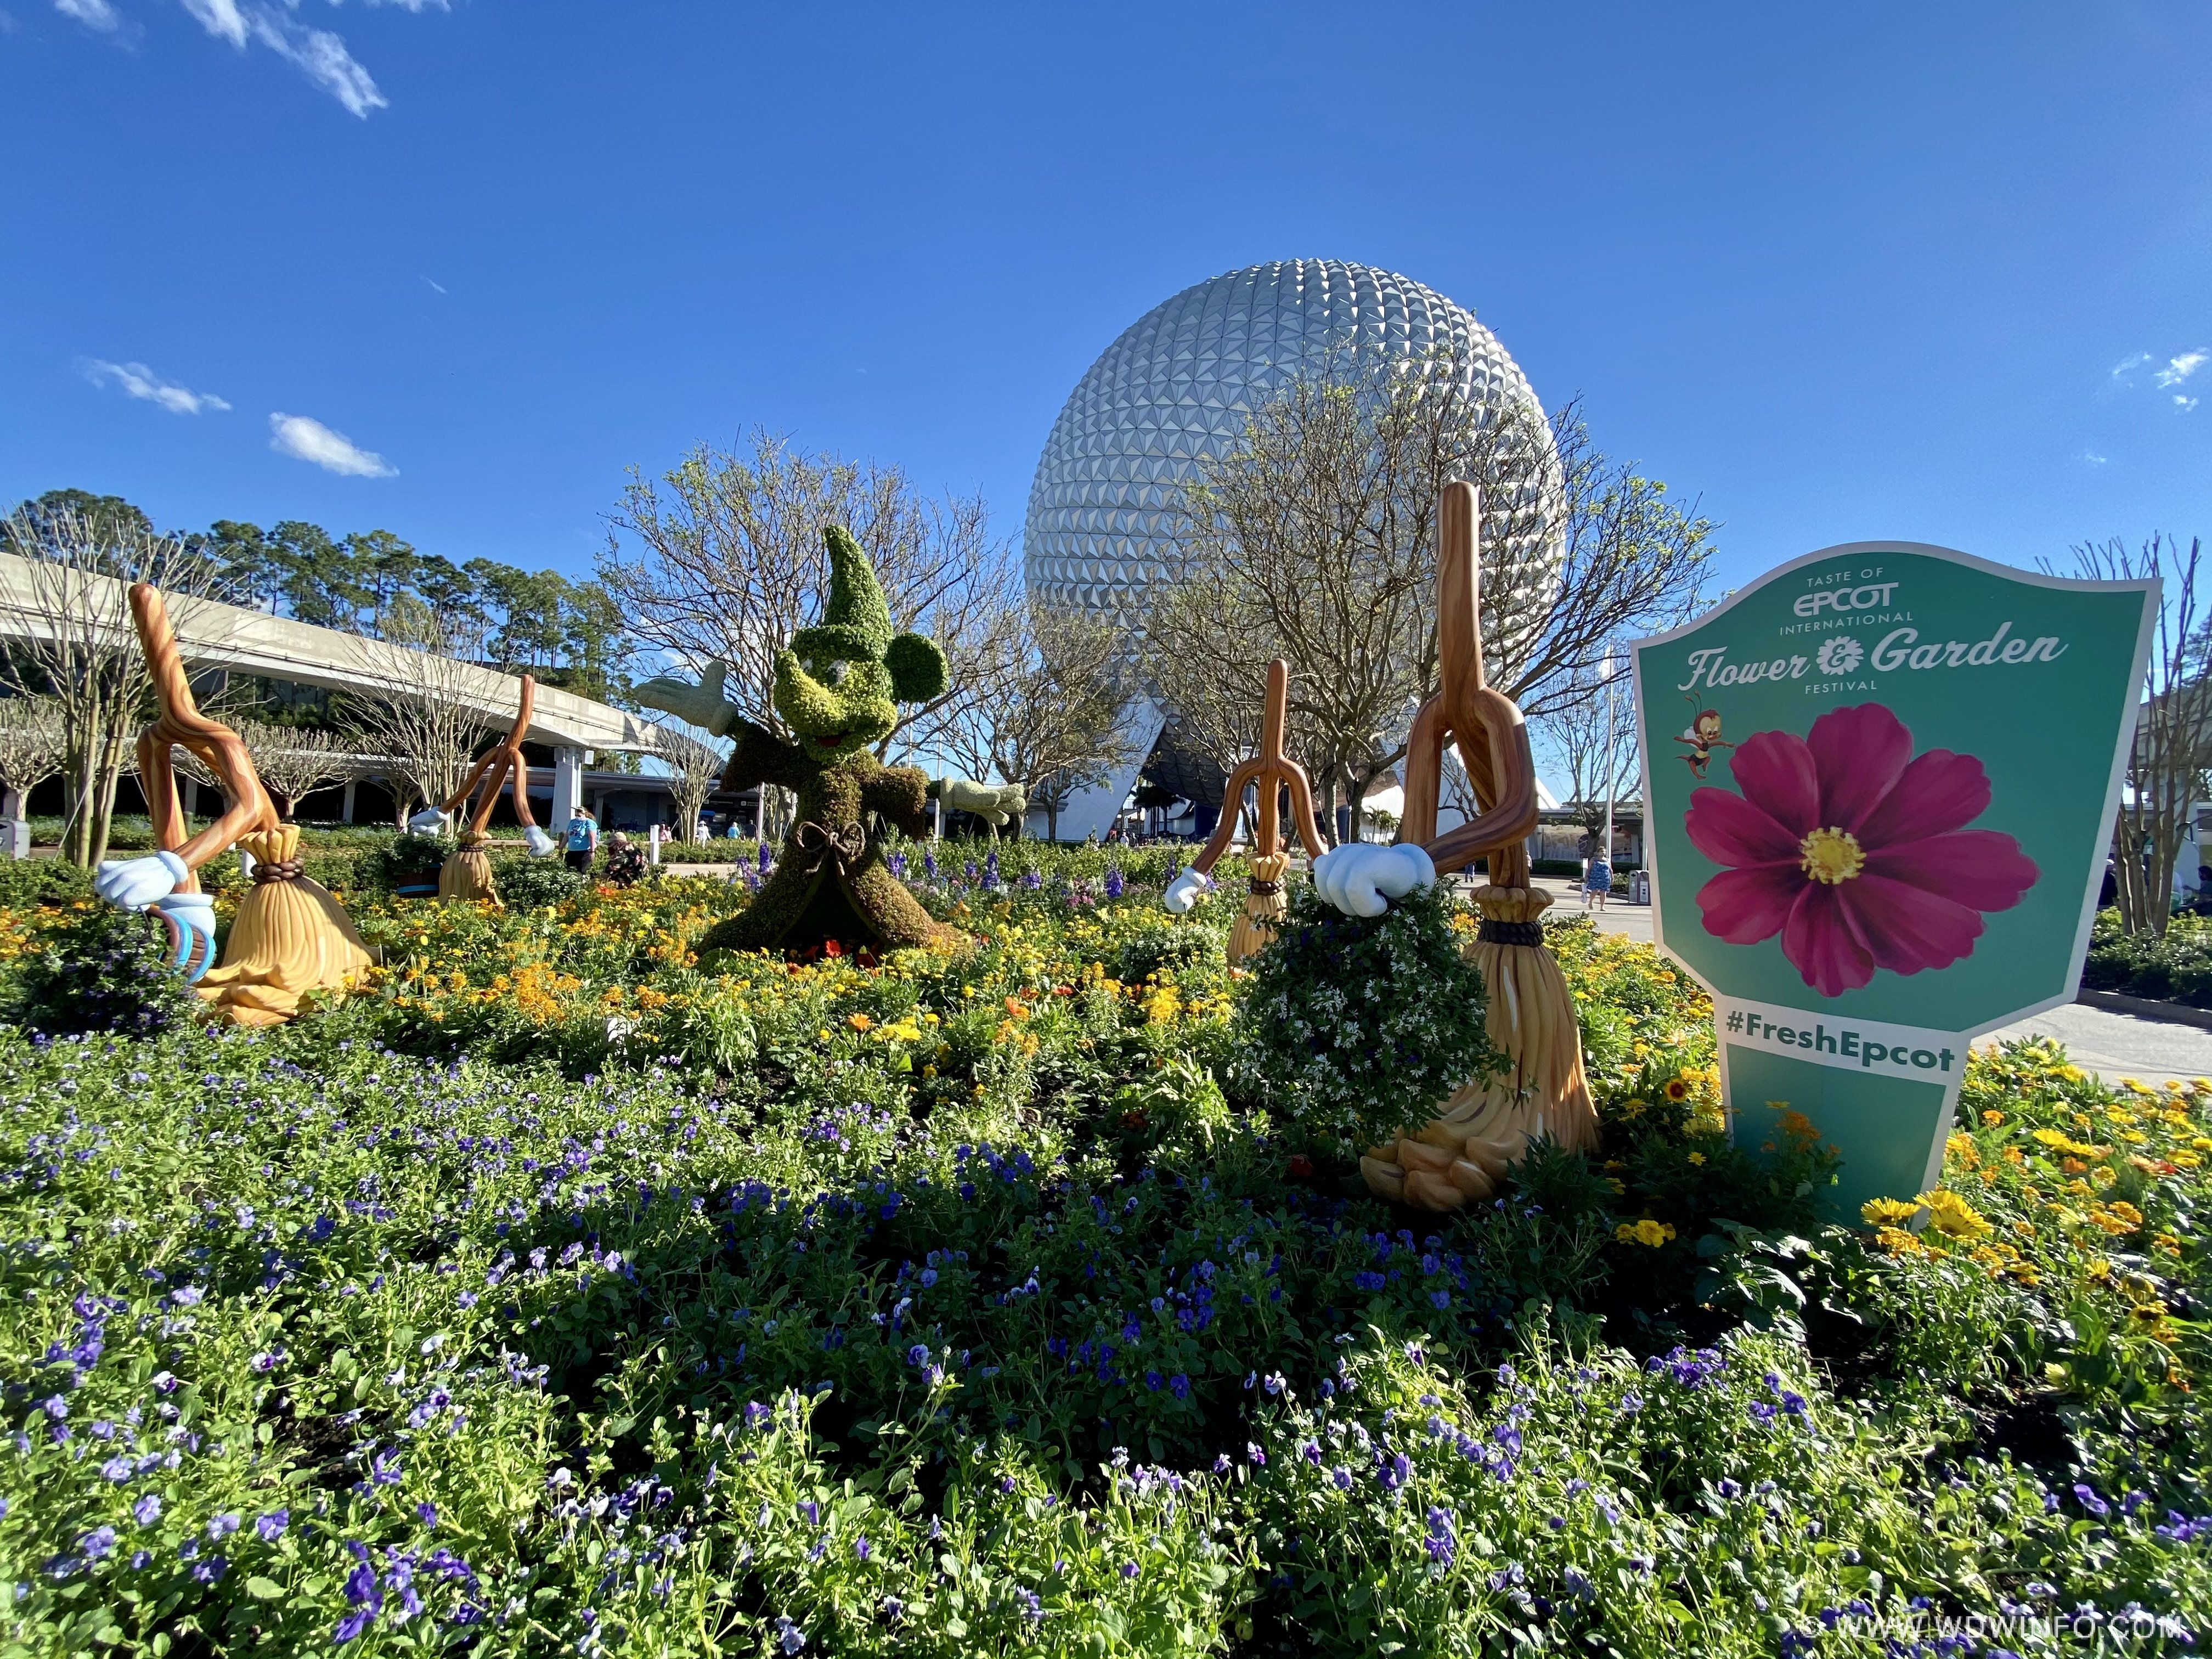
1879,788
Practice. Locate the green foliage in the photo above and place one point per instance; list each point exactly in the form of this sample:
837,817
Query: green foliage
2175,966
42,881
1354,1029
102,970
606,1304
527,883
918,669
409,858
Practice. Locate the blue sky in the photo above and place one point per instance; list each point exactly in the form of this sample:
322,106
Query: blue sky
1844,272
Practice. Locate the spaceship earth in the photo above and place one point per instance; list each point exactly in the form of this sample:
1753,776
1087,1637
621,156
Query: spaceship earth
1177,388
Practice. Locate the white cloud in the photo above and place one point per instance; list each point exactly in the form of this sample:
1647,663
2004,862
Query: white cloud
2180,368
322,57
439,286
2129,364
318,54
2184,405
2092,458
410,5
92,13
220,18
307,440
140,382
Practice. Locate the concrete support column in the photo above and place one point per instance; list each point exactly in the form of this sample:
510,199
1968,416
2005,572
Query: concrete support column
568,785
345,812
15,825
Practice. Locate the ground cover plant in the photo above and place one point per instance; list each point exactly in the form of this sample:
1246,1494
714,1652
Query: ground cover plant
566,1291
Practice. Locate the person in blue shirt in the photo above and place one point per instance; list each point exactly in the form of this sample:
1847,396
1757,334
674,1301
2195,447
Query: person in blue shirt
581,841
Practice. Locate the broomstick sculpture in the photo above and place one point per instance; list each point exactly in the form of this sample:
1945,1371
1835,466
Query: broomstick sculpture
467,872
1486,1126
1271,772
289,936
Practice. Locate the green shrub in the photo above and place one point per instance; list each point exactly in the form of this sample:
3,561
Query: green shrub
104,971
535,883
43,881
408,857
2175,966
1355,1028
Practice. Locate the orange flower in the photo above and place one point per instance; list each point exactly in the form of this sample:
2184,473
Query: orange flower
858,1022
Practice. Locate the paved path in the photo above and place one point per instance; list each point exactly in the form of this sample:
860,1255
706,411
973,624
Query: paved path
2111,1045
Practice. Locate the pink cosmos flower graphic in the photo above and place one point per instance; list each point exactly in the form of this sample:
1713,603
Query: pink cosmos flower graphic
1856,851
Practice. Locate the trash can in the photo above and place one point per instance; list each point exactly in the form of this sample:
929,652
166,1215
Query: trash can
1639,887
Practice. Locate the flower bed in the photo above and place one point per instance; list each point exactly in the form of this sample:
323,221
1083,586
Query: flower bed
560,1291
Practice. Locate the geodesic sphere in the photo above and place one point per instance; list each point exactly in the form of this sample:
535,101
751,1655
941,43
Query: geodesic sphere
1178,387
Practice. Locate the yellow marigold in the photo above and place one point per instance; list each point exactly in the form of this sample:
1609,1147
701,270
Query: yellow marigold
1888,1211
1964,1150
1646,1232
1897,1242
1949,1213
1991,1118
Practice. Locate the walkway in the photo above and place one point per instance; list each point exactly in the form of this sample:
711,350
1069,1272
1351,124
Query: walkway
2111,1045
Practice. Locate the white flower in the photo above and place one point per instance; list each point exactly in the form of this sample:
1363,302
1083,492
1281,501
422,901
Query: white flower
1840,656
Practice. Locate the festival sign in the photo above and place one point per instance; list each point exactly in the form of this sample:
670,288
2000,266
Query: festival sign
1878,791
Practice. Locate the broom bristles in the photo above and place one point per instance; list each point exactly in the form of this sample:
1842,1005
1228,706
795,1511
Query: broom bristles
1491,1122
467,875
289,937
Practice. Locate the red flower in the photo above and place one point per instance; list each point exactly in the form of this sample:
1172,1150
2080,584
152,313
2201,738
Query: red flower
1853,850
1301,1167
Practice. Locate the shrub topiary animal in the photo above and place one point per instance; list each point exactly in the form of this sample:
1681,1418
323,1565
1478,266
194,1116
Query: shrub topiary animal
837,687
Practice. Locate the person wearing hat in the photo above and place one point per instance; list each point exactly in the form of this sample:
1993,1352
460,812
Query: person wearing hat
581,840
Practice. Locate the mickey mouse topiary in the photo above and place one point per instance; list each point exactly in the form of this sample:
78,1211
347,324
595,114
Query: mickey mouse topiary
838,688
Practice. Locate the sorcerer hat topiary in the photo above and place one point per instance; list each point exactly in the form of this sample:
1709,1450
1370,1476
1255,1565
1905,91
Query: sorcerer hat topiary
856,624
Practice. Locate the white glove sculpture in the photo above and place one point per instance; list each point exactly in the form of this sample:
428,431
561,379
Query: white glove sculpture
1182,892
428,821
1361,880
702,704
134,883
541,844
193,913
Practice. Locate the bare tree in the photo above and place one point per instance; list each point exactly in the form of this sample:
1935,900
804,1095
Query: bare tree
694,767
295,761
722,558
34,747
1048,711
1594,743
2167,768
77,643
1313,539
423,723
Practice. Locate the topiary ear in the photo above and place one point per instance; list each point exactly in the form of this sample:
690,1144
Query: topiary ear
917,666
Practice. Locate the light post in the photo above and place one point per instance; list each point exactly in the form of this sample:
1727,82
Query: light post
1611,763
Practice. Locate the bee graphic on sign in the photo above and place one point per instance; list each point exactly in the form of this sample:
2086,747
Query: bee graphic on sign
1703,737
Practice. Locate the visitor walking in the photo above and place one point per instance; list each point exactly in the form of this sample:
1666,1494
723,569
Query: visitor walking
581,840
1597,883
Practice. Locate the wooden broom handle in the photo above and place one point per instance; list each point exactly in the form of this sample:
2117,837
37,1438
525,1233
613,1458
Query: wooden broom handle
181,722
496,765
1272,771
1491,736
